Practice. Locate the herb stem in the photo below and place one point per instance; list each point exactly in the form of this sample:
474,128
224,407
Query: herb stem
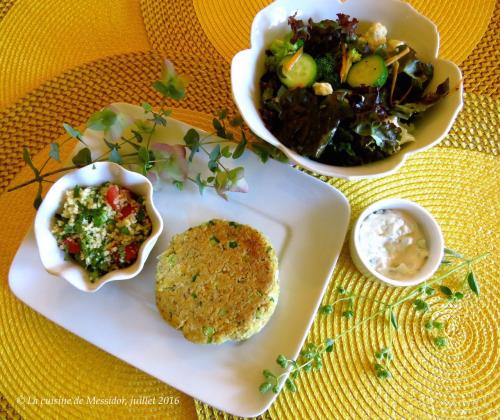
387,307
49,158
148,141
359,323
194,181
369,298
24,184
218,161
64,169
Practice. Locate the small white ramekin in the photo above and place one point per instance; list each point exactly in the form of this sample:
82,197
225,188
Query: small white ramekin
431,231
92,175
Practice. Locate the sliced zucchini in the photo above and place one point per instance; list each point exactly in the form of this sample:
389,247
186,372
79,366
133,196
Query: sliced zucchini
370,71
301,73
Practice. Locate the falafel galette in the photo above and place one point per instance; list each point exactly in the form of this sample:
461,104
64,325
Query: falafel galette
218,282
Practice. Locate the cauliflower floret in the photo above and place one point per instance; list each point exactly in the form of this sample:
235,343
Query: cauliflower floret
406,137
322,89
392,44
375,36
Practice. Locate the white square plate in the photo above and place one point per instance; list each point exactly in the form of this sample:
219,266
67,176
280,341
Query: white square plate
306,221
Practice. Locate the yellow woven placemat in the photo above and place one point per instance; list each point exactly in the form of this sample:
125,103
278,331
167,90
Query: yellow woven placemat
480,69
226,24
455,184
86,30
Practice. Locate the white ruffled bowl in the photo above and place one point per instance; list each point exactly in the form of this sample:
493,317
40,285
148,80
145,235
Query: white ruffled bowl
92,175
402,21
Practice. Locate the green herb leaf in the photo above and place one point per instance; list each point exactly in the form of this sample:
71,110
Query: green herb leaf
38,198
174,85
458,295
73,132
261,152
201,184
329,345
29,162
438,325
429,291
428,325
241,146
326,310
440,342
282,361
82,158
472,281
213,163
383,374
225,152
394,321
143,155
348,314
178,184
445,290
159,120
115,156
192,140
265,387
421,305
449,251
236,121
102,120
268,374
223,113
221,132
138,138
290,385
171,85
147,107
215,153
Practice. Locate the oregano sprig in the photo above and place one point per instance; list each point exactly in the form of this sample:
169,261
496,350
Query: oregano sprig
128,142
310,356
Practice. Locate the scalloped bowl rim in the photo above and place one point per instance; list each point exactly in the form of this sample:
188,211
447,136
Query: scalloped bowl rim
95,174
270,19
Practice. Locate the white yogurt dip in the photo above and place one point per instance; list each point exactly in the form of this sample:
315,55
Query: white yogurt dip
393,244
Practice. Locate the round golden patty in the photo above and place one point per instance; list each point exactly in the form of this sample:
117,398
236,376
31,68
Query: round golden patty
218,281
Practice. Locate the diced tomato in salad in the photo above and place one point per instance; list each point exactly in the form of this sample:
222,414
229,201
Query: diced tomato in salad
112,196
126,210
131,251
72,246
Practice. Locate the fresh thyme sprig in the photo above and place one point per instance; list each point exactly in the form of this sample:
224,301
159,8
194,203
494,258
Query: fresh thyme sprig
310,357
160,161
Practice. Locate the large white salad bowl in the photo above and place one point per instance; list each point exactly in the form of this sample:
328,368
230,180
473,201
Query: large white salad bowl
402,21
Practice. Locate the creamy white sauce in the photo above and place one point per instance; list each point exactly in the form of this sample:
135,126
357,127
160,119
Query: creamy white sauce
393,243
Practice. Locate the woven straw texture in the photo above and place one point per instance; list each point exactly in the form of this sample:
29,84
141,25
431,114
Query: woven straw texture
457,182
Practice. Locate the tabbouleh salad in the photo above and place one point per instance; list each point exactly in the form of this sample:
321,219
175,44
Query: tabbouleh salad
102,227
